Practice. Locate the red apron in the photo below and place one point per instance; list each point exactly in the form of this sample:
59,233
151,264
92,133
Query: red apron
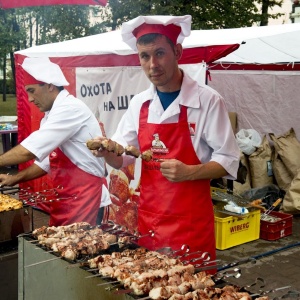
178,213
79,196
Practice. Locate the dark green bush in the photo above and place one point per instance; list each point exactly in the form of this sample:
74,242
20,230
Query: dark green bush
10,86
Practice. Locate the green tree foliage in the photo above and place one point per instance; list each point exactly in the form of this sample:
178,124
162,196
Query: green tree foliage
10,36
49,24
25,27
206,14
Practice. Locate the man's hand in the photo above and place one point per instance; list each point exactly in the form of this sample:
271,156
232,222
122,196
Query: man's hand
175,170
111,158
6,179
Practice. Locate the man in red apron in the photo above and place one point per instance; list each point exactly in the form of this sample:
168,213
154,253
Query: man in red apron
59,148
187,128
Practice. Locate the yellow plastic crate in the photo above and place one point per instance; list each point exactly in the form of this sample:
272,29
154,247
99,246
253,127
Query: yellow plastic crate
231,231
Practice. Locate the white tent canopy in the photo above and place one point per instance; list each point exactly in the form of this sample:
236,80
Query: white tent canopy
266,45
262,45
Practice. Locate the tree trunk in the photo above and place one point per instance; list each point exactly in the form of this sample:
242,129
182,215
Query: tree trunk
12,65
264,13
4,78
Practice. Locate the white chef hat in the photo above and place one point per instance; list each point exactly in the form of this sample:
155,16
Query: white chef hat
42,70
176,28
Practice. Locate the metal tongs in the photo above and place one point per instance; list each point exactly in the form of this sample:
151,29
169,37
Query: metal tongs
265,215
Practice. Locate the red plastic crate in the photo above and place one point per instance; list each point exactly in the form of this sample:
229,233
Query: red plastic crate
275,230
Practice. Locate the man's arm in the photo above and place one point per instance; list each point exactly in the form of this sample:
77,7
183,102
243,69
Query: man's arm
176,171
111,158
32,172
15,156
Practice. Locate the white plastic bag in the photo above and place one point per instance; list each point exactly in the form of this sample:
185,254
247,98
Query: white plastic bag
248,140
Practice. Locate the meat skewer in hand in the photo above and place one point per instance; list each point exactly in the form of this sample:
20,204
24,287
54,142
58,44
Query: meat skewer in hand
132,151
111,146
105,144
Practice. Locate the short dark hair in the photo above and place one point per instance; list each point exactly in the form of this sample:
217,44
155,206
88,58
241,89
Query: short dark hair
60,88
152,37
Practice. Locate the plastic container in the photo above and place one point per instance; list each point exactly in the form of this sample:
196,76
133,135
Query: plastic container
6,126
231,231
272,231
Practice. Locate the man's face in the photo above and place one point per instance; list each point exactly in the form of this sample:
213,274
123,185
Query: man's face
159,62
40,96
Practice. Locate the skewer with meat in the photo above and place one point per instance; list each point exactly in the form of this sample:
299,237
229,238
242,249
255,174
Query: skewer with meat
112,146
184,292
145,276
151,271
44,230
106,144
131,253
119,149
49,239
72,241
147,155
142,282
132,151
72,249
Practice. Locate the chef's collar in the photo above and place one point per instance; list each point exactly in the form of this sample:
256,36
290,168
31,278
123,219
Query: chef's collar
176,28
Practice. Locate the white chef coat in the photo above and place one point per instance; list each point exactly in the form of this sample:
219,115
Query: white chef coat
68,125
213,140
105,197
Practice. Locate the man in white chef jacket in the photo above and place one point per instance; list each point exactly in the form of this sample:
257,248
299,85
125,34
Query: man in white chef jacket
175,201
59,146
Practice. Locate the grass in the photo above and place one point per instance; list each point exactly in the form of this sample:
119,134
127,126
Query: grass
8,107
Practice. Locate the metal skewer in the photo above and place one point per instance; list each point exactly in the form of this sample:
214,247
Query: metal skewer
92,270
236,272
262,293
91,276
105,283
150,233
41,262
204,257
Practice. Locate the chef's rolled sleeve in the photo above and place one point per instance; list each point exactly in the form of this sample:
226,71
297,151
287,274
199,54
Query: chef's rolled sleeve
44,164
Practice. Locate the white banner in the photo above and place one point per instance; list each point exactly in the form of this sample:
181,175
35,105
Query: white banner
107,91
